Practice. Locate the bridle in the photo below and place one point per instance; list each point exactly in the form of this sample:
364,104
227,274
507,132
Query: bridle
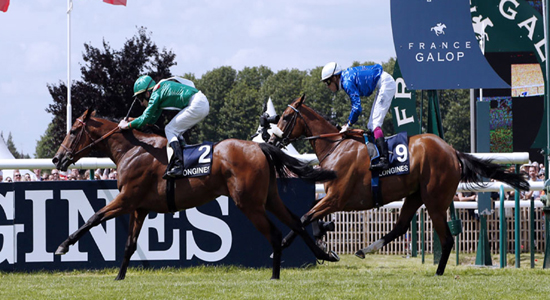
70,150
285,139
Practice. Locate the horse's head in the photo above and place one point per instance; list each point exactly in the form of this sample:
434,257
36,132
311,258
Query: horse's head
76,143
291,125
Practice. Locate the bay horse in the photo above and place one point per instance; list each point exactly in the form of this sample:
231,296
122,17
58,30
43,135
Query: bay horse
243,170
435,172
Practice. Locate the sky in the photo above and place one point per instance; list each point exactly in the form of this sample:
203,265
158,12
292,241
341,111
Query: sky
204,35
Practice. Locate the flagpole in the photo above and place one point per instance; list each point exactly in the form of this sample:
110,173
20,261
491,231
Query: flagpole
69,106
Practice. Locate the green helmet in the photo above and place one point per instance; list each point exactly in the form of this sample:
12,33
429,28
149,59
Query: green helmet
143,83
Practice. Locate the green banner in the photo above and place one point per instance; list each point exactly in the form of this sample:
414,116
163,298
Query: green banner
403,106
512,26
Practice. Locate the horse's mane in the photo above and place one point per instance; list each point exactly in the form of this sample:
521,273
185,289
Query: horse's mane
324,116
143,136
106,118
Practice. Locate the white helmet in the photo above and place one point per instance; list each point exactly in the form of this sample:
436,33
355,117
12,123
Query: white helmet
330,69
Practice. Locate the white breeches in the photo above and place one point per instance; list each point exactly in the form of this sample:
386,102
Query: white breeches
195,112
386,90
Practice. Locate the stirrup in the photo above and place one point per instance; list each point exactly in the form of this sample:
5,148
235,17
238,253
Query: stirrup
175,169
382,164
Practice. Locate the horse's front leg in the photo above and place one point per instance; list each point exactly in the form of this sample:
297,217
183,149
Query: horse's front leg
108,212
136,222
95,220
289,238
321,208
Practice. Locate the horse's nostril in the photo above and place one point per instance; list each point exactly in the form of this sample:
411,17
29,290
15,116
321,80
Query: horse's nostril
55,160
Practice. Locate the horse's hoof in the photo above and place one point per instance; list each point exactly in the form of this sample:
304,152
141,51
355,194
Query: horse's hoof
284,243
61,250
333,256
360,254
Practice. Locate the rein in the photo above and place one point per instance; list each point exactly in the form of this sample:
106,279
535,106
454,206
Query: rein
290,126
93,143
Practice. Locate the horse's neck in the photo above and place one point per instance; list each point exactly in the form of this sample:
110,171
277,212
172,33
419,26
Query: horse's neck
318,125
120,143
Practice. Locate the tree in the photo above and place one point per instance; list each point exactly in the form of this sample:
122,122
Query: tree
107,81
47,145
239,113
216,86
455,117
283,87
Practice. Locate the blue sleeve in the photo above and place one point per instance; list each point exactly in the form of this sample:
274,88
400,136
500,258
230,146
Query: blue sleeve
353,92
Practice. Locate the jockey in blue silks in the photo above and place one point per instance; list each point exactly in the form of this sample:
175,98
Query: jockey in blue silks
362,81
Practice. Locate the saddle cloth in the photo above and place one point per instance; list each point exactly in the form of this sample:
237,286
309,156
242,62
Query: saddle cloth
197,159
398,154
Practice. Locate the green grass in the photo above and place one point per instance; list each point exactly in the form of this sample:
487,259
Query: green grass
376,277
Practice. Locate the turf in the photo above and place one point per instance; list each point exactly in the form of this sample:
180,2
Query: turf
376,277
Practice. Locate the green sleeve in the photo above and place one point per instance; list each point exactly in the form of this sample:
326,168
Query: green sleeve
151,113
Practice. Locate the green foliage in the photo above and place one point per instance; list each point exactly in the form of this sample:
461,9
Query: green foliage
216,85
47,145
454,107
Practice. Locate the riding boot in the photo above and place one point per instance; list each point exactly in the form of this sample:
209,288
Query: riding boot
383,161
175,166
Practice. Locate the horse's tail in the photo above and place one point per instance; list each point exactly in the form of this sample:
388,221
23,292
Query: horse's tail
283,162
473,169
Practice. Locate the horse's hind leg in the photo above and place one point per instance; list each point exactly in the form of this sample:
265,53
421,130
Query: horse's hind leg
136,222
108,212
273,235
410,206
439,220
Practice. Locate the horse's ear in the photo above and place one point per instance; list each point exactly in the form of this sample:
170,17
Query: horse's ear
301,100
90,112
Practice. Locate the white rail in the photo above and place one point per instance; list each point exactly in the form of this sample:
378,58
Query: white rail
462,187
514,158
94,162
46,163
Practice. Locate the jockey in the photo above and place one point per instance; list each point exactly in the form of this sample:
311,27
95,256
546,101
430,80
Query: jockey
170,94
359,82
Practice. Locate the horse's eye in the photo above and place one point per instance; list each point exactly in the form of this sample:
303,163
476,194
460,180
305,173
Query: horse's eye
286,117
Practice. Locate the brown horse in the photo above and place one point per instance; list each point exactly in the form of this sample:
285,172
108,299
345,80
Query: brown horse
243,170
435,172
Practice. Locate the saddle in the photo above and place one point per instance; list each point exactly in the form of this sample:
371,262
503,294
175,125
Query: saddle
398,156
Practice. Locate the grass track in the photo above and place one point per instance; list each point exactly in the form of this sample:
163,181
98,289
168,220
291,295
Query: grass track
376,277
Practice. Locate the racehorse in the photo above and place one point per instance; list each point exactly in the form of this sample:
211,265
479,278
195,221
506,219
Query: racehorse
243,170
435,172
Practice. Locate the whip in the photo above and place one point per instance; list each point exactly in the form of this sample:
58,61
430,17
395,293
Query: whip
131,106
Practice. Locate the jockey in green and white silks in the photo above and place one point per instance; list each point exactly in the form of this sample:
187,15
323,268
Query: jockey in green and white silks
170,94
